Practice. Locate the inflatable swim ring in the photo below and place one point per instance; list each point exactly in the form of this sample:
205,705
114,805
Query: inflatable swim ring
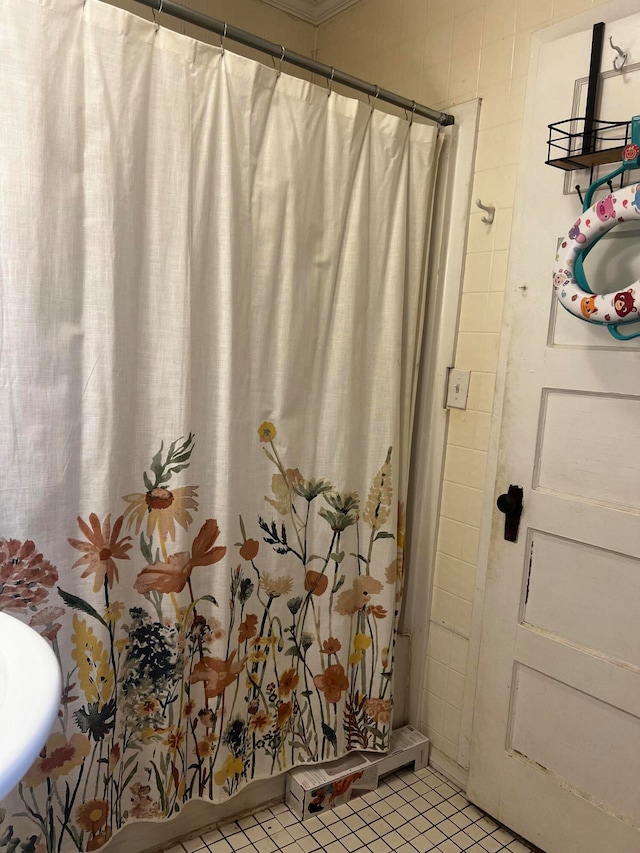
569,282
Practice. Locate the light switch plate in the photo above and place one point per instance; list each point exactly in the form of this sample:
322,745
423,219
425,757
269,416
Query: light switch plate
458,388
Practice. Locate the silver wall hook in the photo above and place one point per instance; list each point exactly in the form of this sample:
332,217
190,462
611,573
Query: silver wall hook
621,58
489,210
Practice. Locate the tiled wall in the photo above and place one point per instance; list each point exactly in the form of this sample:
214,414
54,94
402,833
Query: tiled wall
443,52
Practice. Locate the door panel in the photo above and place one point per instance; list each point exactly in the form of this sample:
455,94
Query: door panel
555,751
588,765
597,462
584,609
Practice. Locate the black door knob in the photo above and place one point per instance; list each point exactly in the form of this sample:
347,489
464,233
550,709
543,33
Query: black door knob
507,503
511,505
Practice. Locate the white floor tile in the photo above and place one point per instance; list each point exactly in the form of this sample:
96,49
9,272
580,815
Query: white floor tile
220,846
490,844
502,836
409,812
265,845
308,844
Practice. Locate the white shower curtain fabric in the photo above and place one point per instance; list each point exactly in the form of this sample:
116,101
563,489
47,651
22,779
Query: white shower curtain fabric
212,293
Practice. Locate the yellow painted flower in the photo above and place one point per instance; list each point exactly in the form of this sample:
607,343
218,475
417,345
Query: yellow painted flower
355,658
361,642
266,641
231,767
275,587
283,490
162,509
267,431
114,612
259,655
148,707
121,644
94,670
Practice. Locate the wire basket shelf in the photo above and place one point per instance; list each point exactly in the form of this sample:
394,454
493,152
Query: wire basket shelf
580,143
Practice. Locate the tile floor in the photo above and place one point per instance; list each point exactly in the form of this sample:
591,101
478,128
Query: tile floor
408,813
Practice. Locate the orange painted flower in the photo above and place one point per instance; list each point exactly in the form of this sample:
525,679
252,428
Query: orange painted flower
260,722
354,599
267,432
316,583
99,840
173,575
92,815
46,620
248,628
217,674
249,549
331,646
168,577
288,682
114,757
162,509
376,611
379,710
332,682
205,748
58,758
284,713
175,738
217,631
25,576
101,549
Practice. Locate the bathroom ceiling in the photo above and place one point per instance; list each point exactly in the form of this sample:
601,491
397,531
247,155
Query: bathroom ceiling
315,11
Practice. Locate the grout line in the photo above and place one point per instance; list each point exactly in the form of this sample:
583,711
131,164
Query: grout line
372,819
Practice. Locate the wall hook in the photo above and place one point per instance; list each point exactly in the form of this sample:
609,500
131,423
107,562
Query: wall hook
489,210
621,58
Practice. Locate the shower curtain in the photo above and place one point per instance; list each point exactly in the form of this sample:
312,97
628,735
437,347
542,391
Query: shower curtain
212,291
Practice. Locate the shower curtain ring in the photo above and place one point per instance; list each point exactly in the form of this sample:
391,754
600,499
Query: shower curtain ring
413,113
223,37
375,98
156,21
330,81
281,58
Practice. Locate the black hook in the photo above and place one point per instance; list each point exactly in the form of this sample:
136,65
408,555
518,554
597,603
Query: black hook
579,191
610,185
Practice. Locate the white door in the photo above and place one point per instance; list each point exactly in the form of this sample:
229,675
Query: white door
555,749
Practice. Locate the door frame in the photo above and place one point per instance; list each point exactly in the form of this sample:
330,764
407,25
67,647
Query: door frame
609,12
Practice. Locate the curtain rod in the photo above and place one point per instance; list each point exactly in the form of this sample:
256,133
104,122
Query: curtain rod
284,55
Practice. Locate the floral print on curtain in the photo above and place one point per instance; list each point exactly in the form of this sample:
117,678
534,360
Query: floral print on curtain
170,694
